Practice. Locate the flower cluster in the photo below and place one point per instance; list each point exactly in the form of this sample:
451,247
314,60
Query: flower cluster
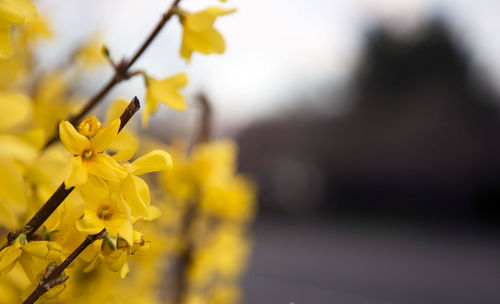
95,211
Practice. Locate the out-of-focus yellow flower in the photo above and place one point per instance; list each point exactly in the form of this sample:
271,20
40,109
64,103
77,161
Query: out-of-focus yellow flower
91,53
12,12
231,199
89,157
214,161
179,181
104,209
16,111
166,91
38,27
199,34
214,260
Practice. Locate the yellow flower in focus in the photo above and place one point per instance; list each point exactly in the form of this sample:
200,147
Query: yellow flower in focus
104,210
89,157
199,34
25,253
12,12
166,91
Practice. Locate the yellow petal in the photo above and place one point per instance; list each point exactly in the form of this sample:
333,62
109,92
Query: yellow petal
136,194
156,160
26,262
6,49
8,256
55,291
12,186
43,249
89,223
104,166
116,261
38,249
115,110
35,137
168,94
120,227
16,108
73,141
177,81
78,173
95,262
16,12
124,271
13,147
105,136
154,213
206,42
202,20
186,50
93,192
126,144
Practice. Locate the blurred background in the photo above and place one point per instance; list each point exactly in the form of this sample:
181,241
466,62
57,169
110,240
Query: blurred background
371,126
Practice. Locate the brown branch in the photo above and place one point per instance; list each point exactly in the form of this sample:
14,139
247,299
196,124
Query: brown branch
53,276
121,72
61,193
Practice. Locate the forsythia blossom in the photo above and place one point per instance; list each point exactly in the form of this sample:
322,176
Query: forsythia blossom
89,157
199,34
192,216
12,12
165,91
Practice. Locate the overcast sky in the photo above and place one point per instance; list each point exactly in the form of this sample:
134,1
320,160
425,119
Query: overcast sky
275,49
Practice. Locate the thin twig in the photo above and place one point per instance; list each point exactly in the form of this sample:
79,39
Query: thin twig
61,193
53,277
121,72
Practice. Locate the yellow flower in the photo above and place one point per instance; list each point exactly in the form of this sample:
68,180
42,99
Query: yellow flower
89,126
214,161
24,253
12,12
233,199
199,34
89,157
104,210
166,91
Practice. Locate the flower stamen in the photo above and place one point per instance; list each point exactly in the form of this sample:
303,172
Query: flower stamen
88,154
105,213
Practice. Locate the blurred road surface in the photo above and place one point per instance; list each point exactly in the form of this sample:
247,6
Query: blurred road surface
347,263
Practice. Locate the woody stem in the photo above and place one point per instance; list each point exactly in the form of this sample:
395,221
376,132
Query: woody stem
54,277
